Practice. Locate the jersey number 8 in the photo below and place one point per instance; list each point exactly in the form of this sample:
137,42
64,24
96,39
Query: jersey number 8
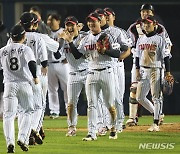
14,64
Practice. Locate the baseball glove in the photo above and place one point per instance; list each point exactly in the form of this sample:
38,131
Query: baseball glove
168,83
103,43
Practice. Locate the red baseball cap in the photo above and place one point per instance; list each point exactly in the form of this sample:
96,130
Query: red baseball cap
94,16
71,19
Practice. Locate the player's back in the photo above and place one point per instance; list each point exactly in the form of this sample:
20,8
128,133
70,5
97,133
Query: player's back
37,44
14,59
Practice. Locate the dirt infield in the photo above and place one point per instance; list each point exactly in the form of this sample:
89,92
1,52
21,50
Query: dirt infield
166,127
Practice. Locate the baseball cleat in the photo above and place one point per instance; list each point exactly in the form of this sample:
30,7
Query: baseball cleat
23,146
89,138
32,140
71,132
131,122
10,148
41,132
154,128
113,135
161,119
37,136
54,116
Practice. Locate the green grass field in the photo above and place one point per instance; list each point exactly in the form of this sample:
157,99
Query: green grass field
128,141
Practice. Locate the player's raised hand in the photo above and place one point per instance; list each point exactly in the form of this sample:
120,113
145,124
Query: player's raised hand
44,70
62,35
36,80
80,26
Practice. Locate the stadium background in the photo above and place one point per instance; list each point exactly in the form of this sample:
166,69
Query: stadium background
127,11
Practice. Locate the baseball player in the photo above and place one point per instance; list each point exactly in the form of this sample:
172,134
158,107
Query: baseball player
119,36
78,69
100,76
135,31
58,70
19,68
37,44
4,36
42,28
52,48
151,51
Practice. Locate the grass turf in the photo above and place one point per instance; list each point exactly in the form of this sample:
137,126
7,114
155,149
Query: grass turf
128,142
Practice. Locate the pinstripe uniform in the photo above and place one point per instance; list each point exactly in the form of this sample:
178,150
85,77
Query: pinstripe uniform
78,69
14,59
151,52
135,31
121,37
37,44
52,46
57,73
100,76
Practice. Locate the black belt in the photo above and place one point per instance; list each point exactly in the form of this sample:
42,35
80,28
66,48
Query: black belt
81,70
55,62
146,67
101,69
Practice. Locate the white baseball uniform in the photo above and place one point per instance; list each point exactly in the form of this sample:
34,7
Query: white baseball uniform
78,69
135,31
151,52
57,74
52,46
100,76
38,46
14,59
121,37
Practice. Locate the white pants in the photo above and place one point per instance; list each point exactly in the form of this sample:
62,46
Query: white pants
96,81
57,74
14,94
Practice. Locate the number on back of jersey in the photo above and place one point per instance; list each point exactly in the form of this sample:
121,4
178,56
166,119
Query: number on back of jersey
14,65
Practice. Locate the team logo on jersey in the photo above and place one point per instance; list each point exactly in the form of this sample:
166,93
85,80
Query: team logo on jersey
90,47
150,47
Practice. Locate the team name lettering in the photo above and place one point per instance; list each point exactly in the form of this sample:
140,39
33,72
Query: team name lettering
5,52
151,47
90,47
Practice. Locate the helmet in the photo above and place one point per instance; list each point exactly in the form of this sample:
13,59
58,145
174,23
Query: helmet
147,7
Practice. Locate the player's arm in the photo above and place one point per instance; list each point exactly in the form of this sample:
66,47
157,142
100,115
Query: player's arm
115,53
137,69
33,69
75,51
44,67
167,65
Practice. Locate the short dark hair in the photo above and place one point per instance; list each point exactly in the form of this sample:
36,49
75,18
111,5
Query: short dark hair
36,8
55,16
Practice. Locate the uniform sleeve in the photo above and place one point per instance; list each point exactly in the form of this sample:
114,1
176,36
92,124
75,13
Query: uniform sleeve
166,36
81,46
132,36
124,39
29,54
165,49
137,50
51,44
42,51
